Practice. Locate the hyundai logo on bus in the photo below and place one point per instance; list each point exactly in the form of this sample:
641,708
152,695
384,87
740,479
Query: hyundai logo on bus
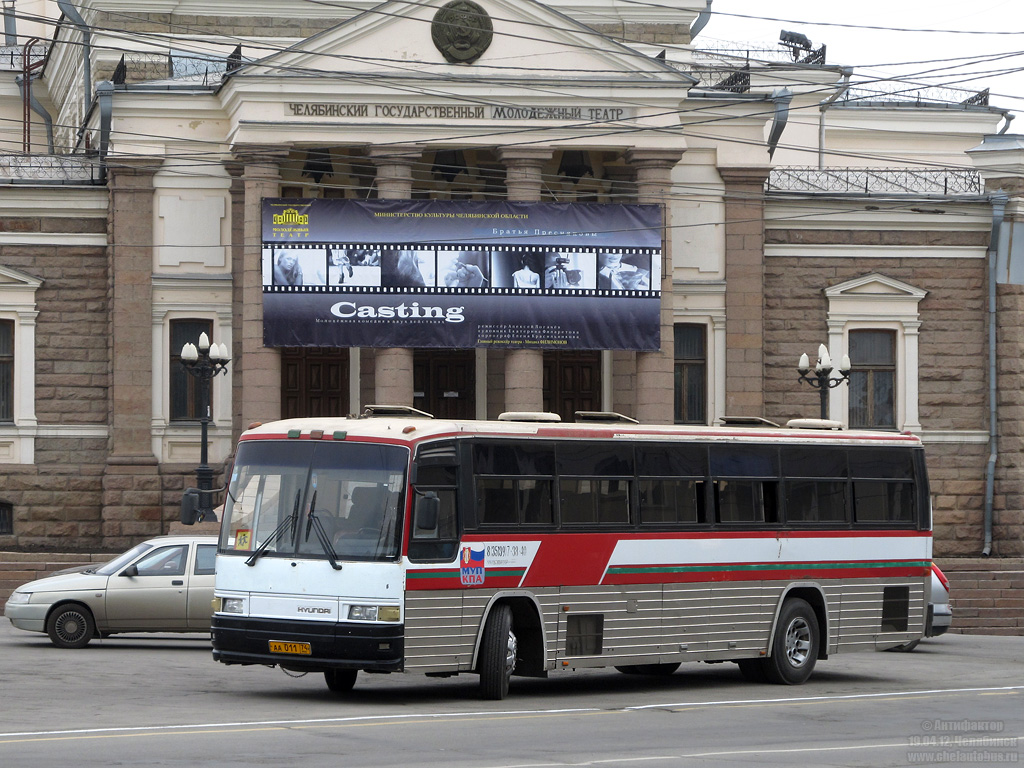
347,309
311,609
471,566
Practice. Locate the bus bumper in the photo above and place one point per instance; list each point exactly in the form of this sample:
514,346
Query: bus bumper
342,645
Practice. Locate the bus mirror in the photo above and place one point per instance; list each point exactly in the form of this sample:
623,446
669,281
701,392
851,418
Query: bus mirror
427,507
190,506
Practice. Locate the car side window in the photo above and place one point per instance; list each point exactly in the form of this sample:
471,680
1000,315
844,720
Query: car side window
206,554
164,561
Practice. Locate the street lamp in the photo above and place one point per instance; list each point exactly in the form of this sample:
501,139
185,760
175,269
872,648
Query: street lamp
204,363
821,378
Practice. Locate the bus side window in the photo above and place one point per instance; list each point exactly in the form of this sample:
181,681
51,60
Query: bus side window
746,501
665,500
888,503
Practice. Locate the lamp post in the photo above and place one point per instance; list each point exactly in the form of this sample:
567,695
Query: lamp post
204,363
822,379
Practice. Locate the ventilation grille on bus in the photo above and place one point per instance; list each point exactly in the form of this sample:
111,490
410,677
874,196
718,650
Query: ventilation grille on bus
604,416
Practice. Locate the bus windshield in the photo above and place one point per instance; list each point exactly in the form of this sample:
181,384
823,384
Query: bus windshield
282,492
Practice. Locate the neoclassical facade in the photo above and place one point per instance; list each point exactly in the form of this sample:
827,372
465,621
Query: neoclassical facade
792,214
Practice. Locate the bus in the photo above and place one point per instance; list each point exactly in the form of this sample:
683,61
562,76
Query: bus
396,542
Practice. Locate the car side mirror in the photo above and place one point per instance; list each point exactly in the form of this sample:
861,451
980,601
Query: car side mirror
427,508
131,570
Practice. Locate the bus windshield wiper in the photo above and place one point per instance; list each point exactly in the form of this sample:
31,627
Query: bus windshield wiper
313,521
292,519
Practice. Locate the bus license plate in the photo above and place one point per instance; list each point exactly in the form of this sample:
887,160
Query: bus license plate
303,649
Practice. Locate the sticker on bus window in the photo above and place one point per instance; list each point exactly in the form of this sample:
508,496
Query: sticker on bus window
243,538
471,566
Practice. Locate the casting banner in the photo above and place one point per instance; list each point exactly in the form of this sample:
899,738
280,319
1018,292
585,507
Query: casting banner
455,274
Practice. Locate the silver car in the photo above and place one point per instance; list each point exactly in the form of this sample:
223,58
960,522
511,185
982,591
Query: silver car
161,585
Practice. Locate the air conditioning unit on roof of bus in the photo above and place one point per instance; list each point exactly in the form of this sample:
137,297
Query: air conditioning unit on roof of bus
529,416
814,424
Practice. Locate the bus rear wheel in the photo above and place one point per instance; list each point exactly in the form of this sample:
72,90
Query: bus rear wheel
795,645
497,654
340,680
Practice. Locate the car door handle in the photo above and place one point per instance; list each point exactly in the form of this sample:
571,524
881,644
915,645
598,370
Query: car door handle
177,583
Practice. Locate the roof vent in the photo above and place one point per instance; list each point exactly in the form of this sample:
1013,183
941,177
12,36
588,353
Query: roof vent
604,416
378,411
814,424
529,416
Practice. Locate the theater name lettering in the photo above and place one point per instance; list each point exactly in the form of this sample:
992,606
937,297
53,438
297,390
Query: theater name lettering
456,112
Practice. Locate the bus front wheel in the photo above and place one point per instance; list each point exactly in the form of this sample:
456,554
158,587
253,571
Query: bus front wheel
340,680
795,646
497,654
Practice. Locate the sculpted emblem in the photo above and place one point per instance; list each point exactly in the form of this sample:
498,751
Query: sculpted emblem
461,31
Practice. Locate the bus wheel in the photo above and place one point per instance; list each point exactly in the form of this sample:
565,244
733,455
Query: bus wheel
795,647
340,680
497,654
654,670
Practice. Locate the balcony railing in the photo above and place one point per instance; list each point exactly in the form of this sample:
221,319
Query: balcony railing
891,181
50,169
11,56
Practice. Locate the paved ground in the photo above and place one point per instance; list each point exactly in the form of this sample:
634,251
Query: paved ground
162,701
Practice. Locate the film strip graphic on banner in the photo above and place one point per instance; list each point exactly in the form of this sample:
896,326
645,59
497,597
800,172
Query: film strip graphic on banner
336,267
455,275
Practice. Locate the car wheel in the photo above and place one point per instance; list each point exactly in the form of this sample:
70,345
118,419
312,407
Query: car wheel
70,626
497,654
795,647
652,670
340,680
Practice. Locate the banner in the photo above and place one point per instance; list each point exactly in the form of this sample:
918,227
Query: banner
454,274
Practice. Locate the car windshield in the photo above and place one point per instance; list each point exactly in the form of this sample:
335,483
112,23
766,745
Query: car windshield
281,492
122,560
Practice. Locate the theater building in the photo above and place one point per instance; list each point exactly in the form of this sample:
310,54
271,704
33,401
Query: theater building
633,224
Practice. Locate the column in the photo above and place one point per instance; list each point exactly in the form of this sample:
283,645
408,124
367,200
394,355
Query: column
655,371
744,291
524,368
131,480
236,170
257,367
393,367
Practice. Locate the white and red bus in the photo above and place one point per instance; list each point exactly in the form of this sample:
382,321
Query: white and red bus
397,542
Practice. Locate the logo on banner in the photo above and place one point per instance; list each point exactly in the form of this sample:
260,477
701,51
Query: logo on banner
471,567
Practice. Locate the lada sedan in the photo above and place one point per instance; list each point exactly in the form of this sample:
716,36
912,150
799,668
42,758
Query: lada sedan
161,585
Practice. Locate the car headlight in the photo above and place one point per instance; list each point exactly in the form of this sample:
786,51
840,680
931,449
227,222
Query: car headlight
19,598
374,613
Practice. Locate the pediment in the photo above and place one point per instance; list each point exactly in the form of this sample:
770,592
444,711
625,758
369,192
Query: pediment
875,285
13,279
529,41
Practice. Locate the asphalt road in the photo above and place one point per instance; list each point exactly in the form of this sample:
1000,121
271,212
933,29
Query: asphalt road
162,701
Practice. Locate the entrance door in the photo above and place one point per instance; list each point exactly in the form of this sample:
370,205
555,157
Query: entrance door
572,382
314,382
444,382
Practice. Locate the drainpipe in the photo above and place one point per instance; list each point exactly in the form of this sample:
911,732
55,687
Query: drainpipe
105,97
39,109
10,25
72,13
998,209
843,88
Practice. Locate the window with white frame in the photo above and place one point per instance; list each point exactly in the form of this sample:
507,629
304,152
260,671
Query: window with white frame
17,366
875,320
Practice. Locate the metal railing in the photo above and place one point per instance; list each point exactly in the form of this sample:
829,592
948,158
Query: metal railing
11,57
50,169
892,181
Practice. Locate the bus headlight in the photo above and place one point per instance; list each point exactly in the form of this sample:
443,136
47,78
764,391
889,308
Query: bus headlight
232,605
362,612
374,613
